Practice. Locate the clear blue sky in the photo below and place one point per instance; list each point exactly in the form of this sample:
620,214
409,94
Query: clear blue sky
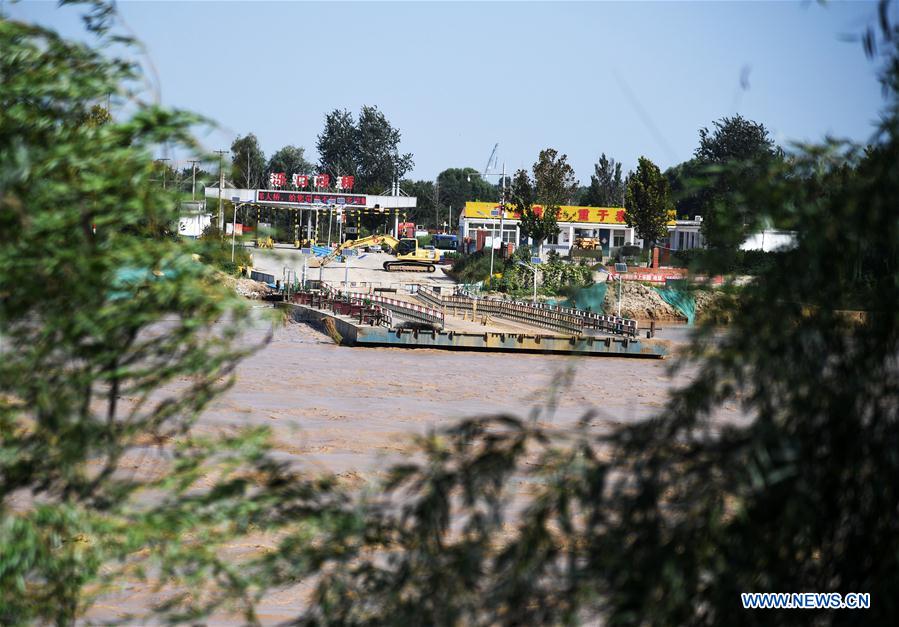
627,79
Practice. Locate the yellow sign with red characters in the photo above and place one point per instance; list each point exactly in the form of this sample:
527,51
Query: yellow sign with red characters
567,213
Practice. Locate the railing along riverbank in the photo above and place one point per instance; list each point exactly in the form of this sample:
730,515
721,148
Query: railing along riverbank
562,319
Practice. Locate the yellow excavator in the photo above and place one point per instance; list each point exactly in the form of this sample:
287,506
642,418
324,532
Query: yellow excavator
410,257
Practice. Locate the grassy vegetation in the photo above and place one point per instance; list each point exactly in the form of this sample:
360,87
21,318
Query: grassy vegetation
556,277
215,250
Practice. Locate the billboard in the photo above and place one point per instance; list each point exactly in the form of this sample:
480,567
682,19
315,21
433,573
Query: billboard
278,197
567,213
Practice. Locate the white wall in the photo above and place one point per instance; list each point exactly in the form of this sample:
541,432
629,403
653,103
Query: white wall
770,240
192,225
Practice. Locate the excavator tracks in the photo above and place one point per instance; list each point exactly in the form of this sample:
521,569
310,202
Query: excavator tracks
409,266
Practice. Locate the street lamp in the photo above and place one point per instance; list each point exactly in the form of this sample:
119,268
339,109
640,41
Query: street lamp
502,211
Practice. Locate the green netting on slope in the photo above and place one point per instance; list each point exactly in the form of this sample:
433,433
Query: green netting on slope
589,298
682,301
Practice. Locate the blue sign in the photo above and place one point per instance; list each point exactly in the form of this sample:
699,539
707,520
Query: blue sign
536,261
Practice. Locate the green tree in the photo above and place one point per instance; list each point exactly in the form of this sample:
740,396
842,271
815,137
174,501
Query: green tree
423,213
290,160
685,184
338,145
248,163
647,202
746,148
456,186
539,201
379,160
114,338
734,139
606,185
98,115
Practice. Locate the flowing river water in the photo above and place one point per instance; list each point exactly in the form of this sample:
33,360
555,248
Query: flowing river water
353,411
350,409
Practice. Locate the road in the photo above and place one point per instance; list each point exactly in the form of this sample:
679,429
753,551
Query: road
364,271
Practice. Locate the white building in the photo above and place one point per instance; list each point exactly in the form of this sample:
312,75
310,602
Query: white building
193,219
480,220
686,234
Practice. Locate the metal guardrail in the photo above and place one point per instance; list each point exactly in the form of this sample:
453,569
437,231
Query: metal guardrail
564,319
388,306
353,305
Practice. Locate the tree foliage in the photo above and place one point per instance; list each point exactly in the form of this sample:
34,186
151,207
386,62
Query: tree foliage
606,185
113,338
459,185
290,160
367,149
732,158
685,181
248,163
647,203
337,144
539,201
380,162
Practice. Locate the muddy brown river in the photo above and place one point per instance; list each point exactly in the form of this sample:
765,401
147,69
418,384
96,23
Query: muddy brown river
347,409
352,411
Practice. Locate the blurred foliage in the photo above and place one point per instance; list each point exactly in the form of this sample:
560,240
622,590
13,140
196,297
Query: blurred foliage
101,307
214,249
751,262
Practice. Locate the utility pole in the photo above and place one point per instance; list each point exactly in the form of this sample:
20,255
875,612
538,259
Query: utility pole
164,168
437,203
193,180
221,185
502,214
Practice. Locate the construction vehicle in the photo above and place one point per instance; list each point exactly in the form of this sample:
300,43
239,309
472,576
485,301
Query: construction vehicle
265,242
386,242
410,257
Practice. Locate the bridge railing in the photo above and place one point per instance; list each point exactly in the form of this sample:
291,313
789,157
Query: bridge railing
352,305
564,319
390,307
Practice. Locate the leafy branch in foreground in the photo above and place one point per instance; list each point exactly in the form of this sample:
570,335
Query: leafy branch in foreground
113,336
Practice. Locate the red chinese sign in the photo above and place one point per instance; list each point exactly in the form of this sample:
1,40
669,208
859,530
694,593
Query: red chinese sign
277,179
308,198
300,180
321,180
345,182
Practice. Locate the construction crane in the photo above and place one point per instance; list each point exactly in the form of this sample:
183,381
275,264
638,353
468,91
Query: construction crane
491,160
